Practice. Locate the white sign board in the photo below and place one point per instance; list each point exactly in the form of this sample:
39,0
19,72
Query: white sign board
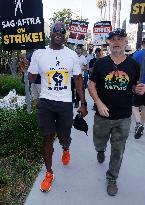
100,31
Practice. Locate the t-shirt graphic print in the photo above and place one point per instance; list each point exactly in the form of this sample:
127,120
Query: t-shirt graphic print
57,80
116,80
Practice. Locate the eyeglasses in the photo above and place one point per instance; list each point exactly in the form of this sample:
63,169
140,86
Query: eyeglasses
59,30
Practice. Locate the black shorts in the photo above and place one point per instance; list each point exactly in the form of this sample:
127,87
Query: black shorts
55,117
138,100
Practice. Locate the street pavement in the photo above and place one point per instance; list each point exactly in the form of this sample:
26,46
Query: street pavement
82,182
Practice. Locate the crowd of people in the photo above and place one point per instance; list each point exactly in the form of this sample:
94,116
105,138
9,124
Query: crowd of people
116,82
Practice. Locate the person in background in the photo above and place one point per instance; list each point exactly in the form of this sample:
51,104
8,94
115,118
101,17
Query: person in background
110,86
91,66
56,64
83,65
90,55
139,101
128,50
93,61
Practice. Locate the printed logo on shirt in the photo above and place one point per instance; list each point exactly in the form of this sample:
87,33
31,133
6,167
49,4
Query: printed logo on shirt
57,80
116,80
57,62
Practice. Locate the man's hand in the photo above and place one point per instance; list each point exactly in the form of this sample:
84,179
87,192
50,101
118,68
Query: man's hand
23,63
140,89
83,110
102,109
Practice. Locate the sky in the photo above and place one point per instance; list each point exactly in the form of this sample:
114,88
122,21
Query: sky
86,8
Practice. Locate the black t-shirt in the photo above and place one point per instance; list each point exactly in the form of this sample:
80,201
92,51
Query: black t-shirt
114,85
92,62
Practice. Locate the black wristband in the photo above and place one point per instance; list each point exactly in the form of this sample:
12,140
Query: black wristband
84,103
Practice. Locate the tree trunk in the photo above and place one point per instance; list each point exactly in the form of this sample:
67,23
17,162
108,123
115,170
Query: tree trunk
105,13
114,14
118,13
109,9
139,36
101,12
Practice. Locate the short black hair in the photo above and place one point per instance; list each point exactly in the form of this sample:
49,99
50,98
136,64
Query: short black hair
79,46
98,50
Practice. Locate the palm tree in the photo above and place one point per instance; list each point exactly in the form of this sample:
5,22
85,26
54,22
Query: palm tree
118,13
101,4
109,9
114,13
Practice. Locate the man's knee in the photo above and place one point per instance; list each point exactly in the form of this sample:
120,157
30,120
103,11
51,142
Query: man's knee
49,139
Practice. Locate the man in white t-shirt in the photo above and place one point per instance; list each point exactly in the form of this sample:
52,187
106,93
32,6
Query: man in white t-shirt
83,65
90,55
56,64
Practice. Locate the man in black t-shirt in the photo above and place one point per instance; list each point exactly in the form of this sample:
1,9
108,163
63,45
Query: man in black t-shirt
91,66
93,61
110,86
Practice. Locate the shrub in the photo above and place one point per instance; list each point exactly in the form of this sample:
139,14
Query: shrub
18,131
20,153
4,178
9,82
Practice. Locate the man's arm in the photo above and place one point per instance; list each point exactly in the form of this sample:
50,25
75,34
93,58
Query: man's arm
91,65
102,109
139,89
80,89
85,67
24,64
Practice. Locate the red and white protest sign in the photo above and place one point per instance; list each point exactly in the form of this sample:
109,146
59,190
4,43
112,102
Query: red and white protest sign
100,31
78,31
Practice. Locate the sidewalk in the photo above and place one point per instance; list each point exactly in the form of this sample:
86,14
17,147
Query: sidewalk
82,182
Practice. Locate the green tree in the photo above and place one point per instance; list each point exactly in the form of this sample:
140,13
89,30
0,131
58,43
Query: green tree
65,16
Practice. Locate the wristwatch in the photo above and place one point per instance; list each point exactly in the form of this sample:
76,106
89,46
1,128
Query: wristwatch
84,103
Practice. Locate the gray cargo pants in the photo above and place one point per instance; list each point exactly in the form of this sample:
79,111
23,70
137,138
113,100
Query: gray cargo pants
117,131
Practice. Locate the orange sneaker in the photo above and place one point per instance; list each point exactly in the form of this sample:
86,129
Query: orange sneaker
46,183
65,157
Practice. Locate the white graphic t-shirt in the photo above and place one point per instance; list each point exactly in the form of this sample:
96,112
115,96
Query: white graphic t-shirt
56,68
82,62
89,57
